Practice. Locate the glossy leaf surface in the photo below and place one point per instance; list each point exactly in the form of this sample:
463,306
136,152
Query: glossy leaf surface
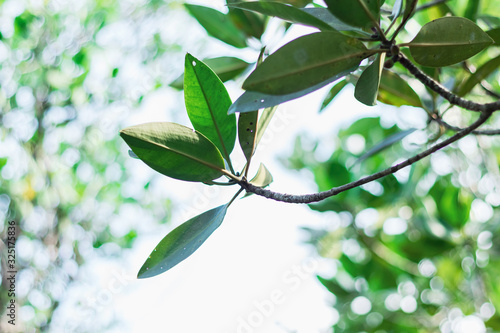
352,12
226,68
181,242
284,12
207,102
366,90
175,151
447,41
306,62
218,25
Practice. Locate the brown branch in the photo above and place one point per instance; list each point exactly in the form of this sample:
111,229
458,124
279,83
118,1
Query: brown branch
445,93
314,197
446,125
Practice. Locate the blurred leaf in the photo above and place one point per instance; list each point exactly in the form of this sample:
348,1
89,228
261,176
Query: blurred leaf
336,89
132,154
472,10
264,120
252,24
452,203
394,90
284,12
447,41
495,35
175,151
387,142
247,133
218,25
353,13
335,288
306,62
181,242
207,102
366,90
226,68
479,75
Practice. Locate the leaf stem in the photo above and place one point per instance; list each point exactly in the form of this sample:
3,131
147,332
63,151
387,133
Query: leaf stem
234,197
314,197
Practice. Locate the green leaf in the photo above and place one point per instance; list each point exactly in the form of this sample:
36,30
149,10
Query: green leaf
306,62
264,120
226,68
218,25
447,41
472,10
284,12
495,35
263,177
247,133
396,9
386,143
366,90
326,16
250,23
175,151
207,102
181,242
479,75
410,6
252,100
394,90
336,89
354,12
453,204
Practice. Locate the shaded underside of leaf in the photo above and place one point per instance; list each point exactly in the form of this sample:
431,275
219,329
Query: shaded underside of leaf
207,103
336,89
181,242
387,142
252,100
352,12
284,12
447,41
175,151
306,62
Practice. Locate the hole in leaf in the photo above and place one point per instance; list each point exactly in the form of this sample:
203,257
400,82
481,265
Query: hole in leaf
194,63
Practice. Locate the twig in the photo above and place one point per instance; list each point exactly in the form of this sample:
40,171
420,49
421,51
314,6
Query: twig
443,123
314,197
430,4
445,93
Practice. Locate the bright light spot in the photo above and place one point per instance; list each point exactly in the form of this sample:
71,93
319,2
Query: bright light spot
355,144
407,288
395,226
469,324
350,247
366,218
392,302
426,268
408,304
484,240
361,305
441,163
481,211
487,311
405,212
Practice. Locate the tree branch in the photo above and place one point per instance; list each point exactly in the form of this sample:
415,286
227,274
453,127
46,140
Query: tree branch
314,197
445,93
443,123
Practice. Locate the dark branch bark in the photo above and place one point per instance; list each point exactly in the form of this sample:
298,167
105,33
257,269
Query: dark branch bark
314,197
445,93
